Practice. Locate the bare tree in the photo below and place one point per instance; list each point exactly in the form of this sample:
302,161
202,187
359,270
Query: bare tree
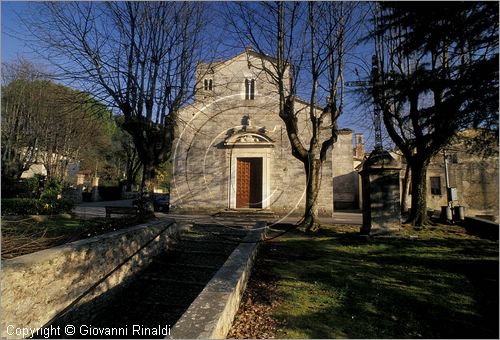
139,56
308,43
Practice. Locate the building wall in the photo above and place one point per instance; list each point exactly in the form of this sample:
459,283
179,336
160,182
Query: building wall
344,186
202,163
475,179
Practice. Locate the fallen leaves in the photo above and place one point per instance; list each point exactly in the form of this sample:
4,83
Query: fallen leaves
254,318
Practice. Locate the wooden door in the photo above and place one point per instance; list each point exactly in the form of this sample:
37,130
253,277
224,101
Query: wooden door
249,183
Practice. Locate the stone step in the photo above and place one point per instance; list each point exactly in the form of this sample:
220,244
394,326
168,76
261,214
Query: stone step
241,212
201,252
212,234
164,303
213,239
210,229
193,266
172,281
205,241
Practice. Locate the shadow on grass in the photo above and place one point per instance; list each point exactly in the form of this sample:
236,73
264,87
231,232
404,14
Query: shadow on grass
339,285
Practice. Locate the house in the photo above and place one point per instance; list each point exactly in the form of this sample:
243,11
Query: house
232,150
473,177
64,166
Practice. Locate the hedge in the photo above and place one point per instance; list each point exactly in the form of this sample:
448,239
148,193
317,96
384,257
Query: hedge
33,206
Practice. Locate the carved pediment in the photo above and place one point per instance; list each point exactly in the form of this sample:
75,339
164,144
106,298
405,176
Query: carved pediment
248,138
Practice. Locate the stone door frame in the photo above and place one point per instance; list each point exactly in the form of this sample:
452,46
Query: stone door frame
249,152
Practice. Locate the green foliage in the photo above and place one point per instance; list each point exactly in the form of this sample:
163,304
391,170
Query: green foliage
40,115
145,206
32,206
52,189
33,185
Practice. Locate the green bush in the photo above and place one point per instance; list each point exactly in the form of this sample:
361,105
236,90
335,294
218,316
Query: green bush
31,206
33,186
52,189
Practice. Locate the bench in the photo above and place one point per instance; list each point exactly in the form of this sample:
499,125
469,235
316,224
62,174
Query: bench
120,211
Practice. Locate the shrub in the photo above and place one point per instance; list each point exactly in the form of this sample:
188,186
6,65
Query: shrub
34,186
52,189
31,206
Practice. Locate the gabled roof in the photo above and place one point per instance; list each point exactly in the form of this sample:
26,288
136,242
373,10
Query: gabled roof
250,51
247,50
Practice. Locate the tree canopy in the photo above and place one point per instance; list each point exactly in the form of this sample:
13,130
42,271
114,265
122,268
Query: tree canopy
48,123
436,74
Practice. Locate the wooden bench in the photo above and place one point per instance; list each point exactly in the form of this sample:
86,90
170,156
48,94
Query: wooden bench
120,211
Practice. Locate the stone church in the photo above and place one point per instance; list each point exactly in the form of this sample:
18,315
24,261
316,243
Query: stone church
232,150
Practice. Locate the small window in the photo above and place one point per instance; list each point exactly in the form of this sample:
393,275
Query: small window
249,89
207,84
435,185
454,158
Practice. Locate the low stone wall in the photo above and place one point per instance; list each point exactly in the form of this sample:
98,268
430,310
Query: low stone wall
211,315
40,288
481,227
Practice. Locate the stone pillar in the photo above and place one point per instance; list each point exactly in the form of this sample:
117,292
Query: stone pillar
380,191
95,190
79,187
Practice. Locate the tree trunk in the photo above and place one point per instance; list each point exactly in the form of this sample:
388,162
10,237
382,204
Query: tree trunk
418,214
406,182
310,220
145,203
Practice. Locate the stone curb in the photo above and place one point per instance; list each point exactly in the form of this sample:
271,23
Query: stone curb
211,314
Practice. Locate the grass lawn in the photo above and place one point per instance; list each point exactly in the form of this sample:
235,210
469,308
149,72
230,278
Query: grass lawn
434,283
23,235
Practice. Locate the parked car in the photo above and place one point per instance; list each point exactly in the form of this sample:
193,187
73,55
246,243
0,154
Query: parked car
161,202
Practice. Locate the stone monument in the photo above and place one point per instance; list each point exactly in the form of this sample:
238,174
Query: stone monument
381,194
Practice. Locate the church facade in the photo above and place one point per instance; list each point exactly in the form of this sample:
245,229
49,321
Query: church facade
232,150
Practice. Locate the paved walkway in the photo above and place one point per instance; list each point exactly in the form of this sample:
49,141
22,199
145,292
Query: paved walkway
96,209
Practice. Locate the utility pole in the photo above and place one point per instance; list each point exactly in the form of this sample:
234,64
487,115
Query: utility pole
446,176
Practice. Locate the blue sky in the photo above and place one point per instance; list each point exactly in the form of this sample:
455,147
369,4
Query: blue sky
13,46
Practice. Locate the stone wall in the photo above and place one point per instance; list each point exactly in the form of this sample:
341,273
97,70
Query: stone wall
475,179
344,177
482,228
37,288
